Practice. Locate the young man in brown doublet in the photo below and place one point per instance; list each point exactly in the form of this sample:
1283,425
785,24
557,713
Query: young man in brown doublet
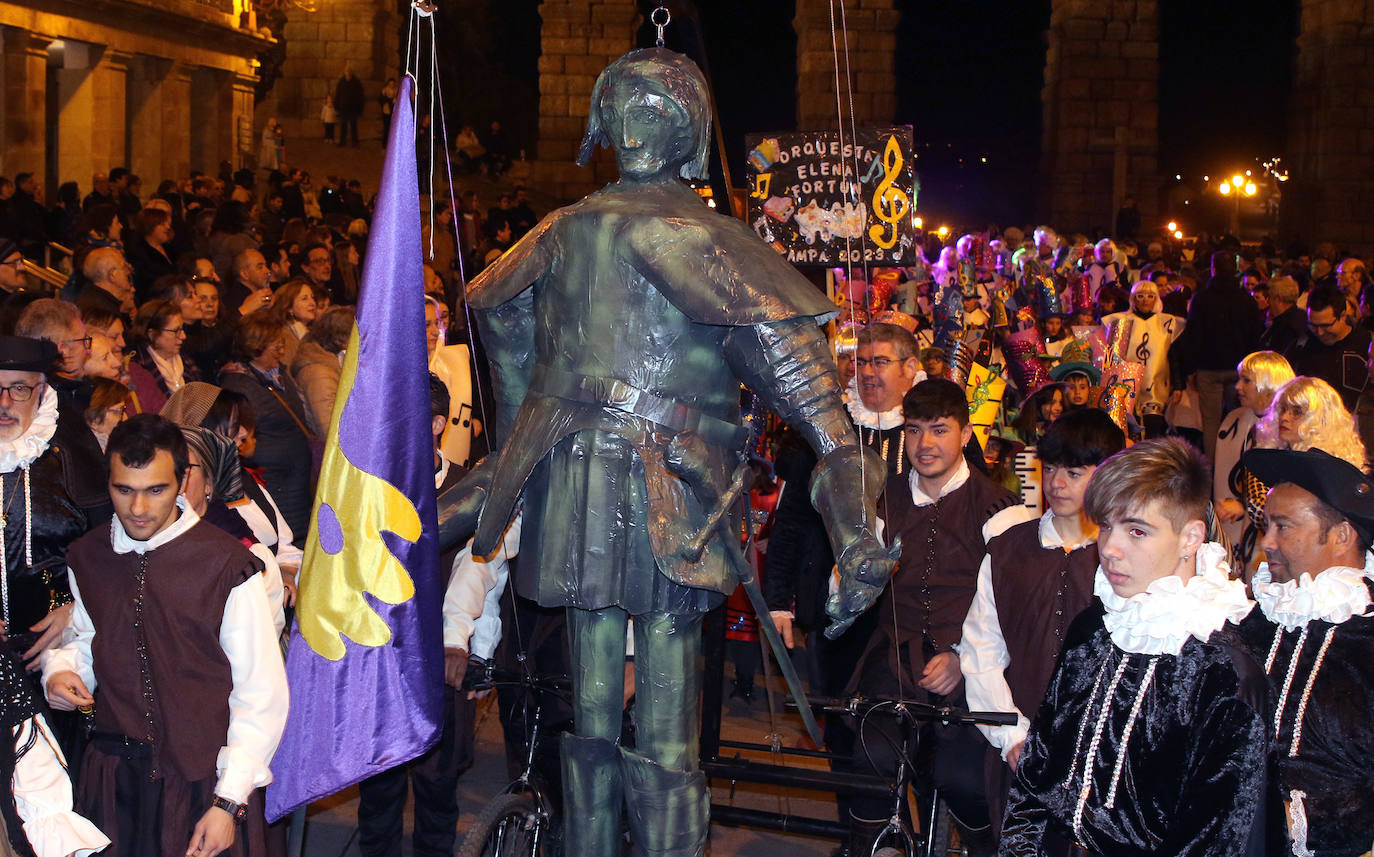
171,628
1035,579
945,514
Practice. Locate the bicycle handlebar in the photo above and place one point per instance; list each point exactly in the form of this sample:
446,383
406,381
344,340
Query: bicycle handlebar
484,674
912,709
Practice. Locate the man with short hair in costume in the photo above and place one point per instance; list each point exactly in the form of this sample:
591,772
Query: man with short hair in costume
1151,739
1035,579
942,513
1314,635
192,690
618,331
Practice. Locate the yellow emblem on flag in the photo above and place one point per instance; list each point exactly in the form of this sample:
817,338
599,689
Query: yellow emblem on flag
345,555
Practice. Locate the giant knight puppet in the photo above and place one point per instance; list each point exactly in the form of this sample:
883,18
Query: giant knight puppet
619,331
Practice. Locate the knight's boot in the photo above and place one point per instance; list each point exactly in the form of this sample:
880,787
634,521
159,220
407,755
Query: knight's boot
669,811
592,797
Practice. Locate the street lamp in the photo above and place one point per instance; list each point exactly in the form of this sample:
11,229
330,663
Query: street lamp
1236,188
943,232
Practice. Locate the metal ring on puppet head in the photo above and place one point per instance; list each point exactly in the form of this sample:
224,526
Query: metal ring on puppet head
673,75
667,19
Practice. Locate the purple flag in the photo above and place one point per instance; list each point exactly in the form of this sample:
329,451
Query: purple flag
365,663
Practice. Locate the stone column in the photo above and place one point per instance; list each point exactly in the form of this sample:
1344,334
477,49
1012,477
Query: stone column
1100,140
871,27
579,39
147,116
24,137
1330,193
176,124
211,119
91,132
110,82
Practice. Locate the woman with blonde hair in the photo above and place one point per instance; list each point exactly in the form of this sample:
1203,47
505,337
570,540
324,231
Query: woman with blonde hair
1306,413
1261,375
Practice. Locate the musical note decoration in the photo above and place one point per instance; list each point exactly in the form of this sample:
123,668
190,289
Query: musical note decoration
890,203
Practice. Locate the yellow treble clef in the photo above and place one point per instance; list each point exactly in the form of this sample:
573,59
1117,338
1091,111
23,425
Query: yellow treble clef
890,203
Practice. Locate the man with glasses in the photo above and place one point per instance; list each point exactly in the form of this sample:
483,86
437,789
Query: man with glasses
1335,351
58,510
111,289
11,267
797,574
317,266
59,322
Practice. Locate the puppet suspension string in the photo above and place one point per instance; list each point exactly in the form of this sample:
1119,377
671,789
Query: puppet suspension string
441,128
839,35
839,124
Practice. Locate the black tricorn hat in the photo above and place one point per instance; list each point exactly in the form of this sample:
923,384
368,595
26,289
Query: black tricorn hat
1335,481
21,354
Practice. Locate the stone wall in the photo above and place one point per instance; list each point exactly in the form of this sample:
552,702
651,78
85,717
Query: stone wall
1330,193
872,42
362,33
1100,139
579,39
119,77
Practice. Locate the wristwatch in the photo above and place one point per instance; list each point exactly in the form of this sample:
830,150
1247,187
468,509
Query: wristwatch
237,811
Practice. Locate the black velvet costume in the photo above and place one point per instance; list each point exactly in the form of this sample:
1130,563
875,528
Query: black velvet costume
61,513
1334,765
1193,781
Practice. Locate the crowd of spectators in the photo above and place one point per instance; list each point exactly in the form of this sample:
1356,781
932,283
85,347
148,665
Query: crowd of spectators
226,307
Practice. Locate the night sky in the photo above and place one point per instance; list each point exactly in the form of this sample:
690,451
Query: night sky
969,79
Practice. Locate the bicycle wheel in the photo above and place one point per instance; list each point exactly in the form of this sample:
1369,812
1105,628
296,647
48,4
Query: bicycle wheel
509,826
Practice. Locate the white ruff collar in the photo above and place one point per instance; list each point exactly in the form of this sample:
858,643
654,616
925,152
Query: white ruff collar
1334,595
873,419
123,543
21,452
1162,618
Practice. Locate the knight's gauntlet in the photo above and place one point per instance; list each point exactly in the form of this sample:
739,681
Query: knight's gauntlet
845,487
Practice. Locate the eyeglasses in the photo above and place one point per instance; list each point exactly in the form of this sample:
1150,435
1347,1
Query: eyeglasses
174,330
17,264
876,362
120,411
84,341
19,392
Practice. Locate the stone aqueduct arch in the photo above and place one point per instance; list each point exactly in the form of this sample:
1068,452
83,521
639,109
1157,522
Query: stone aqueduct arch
1100,139
1101,119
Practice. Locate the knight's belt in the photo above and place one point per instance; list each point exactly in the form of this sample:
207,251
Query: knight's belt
615,393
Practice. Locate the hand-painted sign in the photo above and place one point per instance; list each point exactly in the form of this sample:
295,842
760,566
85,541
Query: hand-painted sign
820,201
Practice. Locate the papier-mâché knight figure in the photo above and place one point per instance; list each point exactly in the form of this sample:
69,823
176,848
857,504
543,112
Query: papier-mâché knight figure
619,331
